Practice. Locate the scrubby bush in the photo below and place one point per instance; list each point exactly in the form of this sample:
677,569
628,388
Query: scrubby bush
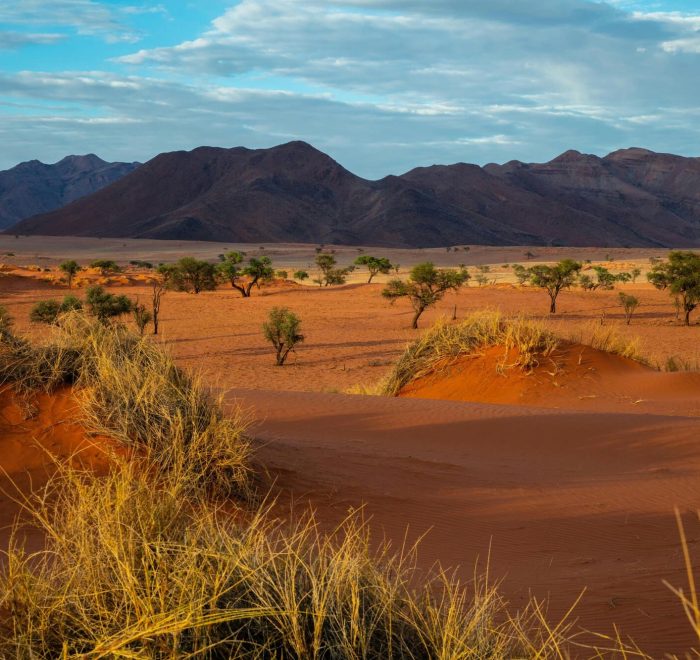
521,273
681,276
329,274
104,306
142,317
301,275
190,274
282,330
282,274
426,286
48,311
106,266
629,304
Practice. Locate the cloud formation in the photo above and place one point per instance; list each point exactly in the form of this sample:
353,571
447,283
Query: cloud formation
387,84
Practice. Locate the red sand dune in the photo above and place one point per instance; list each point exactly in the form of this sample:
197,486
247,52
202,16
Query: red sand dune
567,500
573,377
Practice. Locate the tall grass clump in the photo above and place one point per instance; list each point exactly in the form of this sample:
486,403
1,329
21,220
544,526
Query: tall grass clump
137,569
444,343
609,340
130,389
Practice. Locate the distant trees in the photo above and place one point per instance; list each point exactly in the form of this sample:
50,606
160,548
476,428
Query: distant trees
374,265
553,279
244,277
71,268
282,330
482,273
301,275
629,304
426,285
190,274
521,273
681,276
48,311
104,305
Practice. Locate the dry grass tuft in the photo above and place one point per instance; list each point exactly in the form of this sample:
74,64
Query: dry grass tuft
609,340
136,569
444,343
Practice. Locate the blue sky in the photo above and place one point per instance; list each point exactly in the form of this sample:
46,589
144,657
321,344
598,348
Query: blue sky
380,85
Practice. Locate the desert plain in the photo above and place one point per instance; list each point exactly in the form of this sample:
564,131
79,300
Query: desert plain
562,484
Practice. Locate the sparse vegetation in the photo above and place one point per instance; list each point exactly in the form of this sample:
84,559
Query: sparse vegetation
329,274
425,287
106,266
282,330
142,317
301,275
681,276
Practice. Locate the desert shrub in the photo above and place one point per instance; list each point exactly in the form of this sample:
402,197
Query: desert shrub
105,266
301,275
244,278
70,269
374,265
189,274
521,273
634,274
48,311
142,317
282,274
104,306
681,276
425,287
6,322
282,330
609,340
553,279
444,343
629,304
329,274
141,264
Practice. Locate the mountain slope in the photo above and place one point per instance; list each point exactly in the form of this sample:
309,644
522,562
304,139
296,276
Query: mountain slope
34,187
295,193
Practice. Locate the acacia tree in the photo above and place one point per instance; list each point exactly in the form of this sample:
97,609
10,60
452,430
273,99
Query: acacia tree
159,286
71,269
375,265
329,274
604,279
629,304
681,276
282,331
426,285
106,266
190,274
555,278
232,269
48,311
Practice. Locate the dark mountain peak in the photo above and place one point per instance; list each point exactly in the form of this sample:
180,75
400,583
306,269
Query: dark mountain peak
573,156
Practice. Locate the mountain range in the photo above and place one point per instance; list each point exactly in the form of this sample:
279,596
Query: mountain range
295,193
34,187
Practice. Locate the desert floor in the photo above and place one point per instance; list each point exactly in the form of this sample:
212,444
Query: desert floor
571,489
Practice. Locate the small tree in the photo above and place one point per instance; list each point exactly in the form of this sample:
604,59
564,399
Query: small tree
629,304
159,286
681,276
142,317
282,274
190,274
301,275
329,274
48,311
521,273
425,287
555,278
105,266
244,278
375,265
282,331
604,279
71,269
634,274
104,305
482,275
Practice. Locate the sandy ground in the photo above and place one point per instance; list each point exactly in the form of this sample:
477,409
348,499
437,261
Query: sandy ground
577,495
